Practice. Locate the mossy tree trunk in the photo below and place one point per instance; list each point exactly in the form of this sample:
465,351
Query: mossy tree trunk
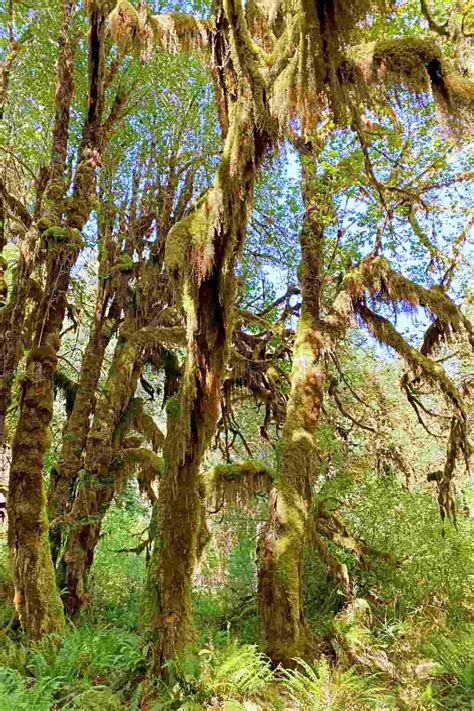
37,598
280,573
13,301
201,251
77,428
95,484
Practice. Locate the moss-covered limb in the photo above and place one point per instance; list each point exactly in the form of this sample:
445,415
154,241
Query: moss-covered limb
413,61
177,31
95,484
13,320
375,275
147,466
172,370
333,529
63,98
435,374
77,428
236,483
149,336
137,419
432,24
36,596
423,237
15,205
282,542
173,31
458,447
15,44
453,30
435,334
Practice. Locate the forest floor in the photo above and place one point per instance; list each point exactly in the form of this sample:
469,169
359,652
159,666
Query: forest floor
378,655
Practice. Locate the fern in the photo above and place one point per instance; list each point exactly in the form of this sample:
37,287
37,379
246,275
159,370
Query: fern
454,657
322,688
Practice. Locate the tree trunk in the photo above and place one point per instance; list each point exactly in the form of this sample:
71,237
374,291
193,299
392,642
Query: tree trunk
76,431
201,251
280,574
96,488
37,599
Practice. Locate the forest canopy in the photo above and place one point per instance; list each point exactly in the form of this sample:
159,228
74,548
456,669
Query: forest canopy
236,354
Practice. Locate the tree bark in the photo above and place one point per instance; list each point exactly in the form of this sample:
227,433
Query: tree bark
201,251
96,486
280,568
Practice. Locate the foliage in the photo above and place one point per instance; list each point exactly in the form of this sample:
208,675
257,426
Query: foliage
320,688
85,667
230,672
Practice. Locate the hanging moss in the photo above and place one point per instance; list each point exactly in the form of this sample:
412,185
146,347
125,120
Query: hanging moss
179,31
68,388
123,22
433,373
237,483
375,275
414,62
409,60
141,461
190,236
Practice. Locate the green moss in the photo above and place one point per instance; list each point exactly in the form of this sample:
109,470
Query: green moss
237,470
64,235
173,407
44,224
45,353
177,245
125,263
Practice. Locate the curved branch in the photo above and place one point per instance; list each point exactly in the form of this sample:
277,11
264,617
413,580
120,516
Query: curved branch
432,24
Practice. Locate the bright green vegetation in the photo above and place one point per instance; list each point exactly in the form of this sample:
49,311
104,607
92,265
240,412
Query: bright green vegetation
413,631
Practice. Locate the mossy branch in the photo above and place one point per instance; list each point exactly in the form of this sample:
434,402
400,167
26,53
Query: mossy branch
150,336
413,61
147,465
434,373
15,205
173,31
375,275
237,483
135,418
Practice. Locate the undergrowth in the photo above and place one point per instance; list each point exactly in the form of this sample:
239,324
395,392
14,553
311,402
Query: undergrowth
404,642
